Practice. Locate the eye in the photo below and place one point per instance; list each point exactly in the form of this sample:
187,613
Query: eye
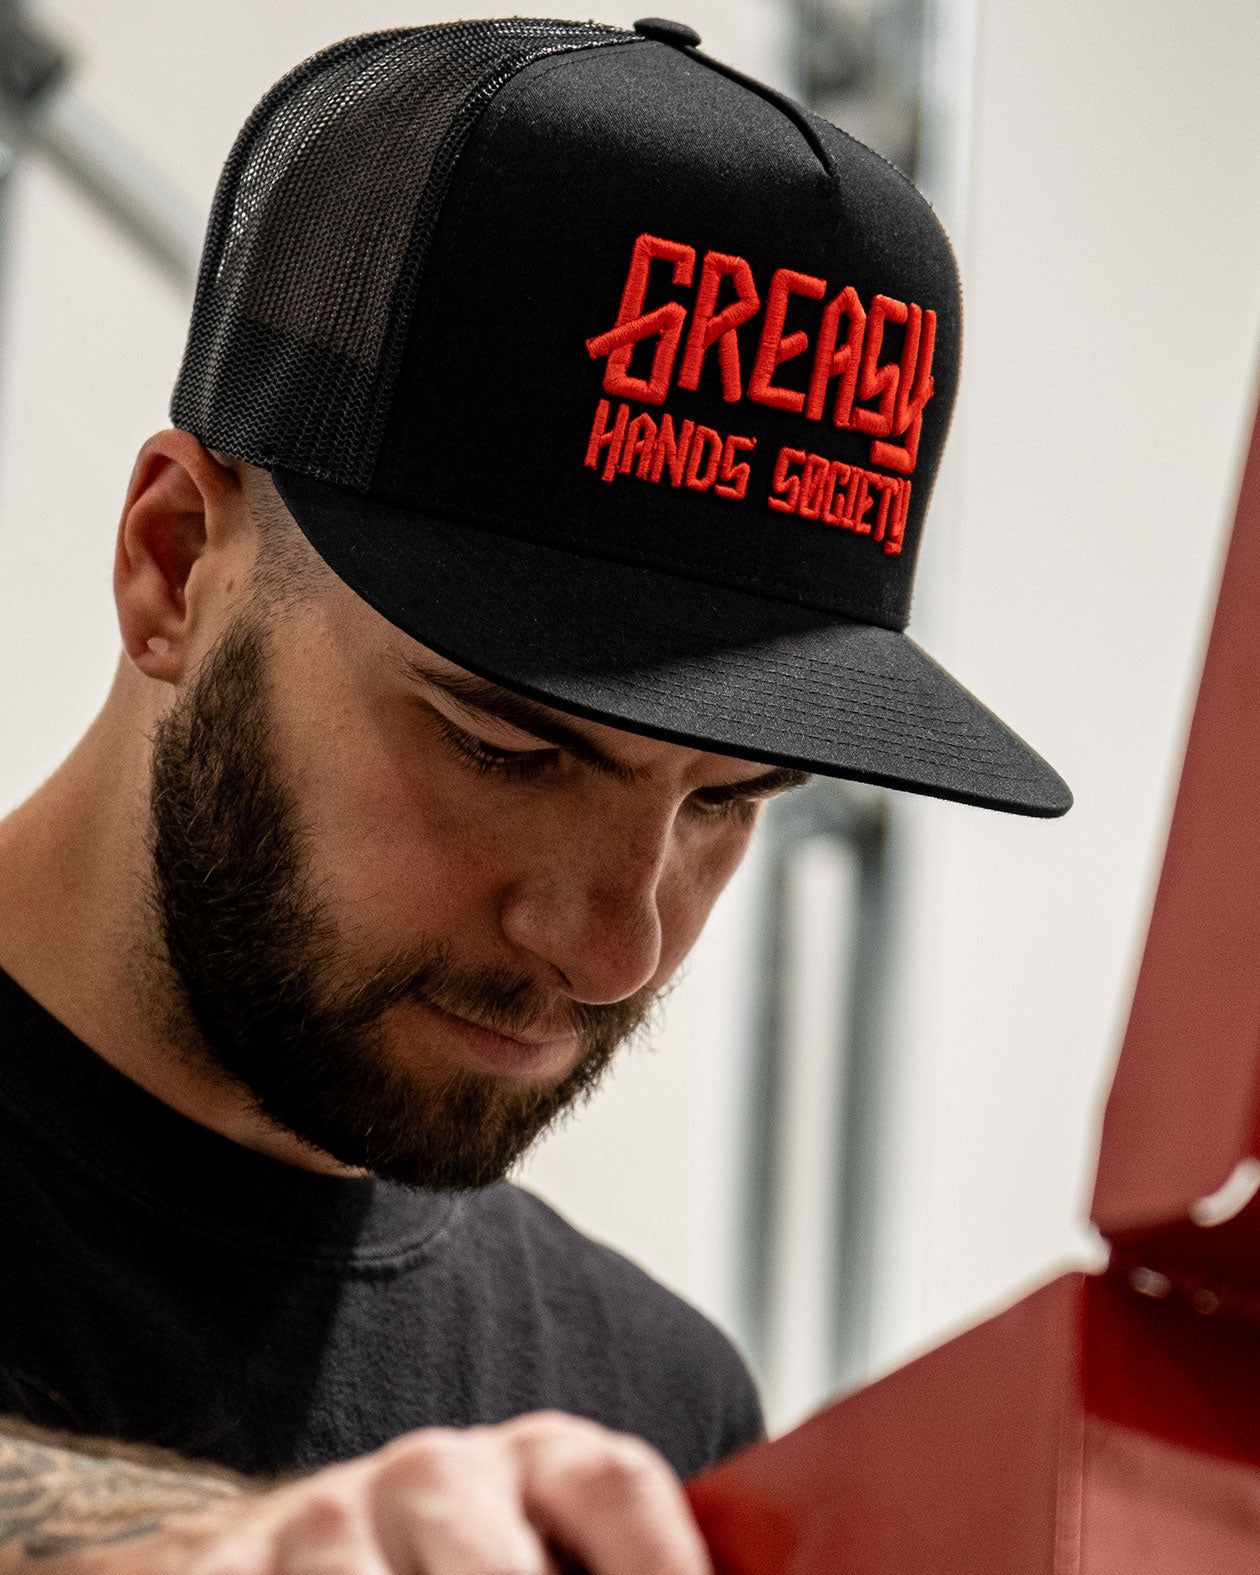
488,760
739,807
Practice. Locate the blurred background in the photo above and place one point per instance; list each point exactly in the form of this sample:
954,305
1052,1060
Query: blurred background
870,1111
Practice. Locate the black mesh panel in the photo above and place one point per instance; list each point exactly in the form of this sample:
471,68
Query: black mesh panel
319,231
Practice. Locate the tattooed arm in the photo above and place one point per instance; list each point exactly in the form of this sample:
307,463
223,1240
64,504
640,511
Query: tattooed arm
60,1496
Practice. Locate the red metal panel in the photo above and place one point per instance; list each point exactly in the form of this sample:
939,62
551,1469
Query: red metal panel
1183,1106
1151,1508
1003,1453
1161,1367
958,1452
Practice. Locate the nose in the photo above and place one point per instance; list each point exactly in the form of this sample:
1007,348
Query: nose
591,914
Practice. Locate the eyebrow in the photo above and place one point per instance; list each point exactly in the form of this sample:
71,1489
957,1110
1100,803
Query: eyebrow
537,721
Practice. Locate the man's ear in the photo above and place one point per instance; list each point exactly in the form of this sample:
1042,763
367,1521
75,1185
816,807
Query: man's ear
179,505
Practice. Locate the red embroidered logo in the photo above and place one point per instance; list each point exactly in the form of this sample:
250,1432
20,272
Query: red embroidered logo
884,399
696,457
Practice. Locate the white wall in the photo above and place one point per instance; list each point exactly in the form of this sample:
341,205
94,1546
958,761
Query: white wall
1110,241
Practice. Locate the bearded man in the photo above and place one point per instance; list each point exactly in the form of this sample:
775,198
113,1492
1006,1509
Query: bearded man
550,456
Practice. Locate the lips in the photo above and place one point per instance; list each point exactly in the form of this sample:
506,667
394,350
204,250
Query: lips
494,1051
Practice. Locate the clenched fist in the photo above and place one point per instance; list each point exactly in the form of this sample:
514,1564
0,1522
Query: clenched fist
528,1497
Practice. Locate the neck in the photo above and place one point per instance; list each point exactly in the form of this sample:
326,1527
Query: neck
75,928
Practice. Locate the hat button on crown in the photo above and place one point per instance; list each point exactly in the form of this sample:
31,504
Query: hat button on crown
667,32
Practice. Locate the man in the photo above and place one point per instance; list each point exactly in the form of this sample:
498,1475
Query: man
550,456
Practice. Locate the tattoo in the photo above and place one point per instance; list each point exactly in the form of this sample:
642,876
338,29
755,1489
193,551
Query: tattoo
55,1500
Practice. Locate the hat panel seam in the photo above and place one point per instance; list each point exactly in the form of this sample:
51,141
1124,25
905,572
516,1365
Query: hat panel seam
409,287
452,215
468,169
542,65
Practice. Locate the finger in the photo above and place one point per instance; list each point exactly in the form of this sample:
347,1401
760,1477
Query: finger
328,1535
608,1500
305,1531
449,1503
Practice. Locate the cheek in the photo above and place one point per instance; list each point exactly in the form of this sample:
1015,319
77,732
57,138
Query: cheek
398,852
692,883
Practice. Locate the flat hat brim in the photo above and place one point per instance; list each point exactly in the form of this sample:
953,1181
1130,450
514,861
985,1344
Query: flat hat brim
696,664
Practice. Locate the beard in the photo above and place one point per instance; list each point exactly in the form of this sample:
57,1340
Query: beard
260,989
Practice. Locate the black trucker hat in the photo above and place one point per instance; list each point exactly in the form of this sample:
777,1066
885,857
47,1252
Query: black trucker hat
611,375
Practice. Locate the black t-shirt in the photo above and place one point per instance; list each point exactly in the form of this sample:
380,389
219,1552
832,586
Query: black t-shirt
162,1285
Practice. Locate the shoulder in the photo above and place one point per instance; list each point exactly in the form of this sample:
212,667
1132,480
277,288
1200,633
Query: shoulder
580,1265
670,1374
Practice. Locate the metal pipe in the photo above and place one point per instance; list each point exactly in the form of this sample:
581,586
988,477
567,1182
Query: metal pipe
38,115
763,1135
861,1114
122,184
859,820
8,165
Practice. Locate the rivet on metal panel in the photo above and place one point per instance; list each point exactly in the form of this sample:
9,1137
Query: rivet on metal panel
1150,1282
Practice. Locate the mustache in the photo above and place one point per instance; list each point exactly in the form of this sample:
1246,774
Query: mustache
498,999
